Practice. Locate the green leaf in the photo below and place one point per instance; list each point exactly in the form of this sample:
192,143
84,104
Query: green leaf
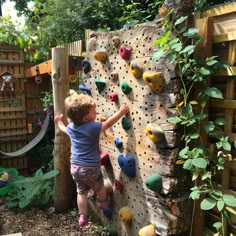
214,92
217,225
195,195
199,163
174,119
180,20
209,127
188,164
184,151
208,204
157,55
187,110
211,62
194,176
220,205
50,174
191,32
171,57
229,200
204,71
206,175
176,47
220,121
226,146
188,50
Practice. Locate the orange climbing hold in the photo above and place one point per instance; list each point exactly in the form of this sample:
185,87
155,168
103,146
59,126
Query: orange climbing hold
100,56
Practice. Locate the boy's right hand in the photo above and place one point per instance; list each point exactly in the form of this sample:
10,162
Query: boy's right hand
58,118
124,109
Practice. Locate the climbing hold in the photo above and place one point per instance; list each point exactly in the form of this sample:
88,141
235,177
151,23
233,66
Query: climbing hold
154,183
154,80
154,132
118,185
108,186
118,142
114,76
136,70
148,230
125,52
111,230
113,97
102,118
100,84
125,214
86,66
126,89
116,41
125,123
104,158
127,165
85,89
107,212
100,56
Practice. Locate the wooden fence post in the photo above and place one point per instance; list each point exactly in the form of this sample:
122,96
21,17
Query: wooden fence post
61,152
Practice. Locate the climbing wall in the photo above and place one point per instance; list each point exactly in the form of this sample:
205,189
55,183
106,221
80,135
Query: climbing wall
149,192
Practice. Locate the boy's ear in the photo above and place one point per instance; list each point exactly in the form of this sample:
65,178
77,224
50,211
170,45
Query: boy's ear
85,118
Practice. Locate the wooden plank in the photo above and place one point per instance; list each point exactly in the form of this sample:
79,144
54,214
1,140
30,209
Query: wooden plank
227,104
224,37
12,116
10,109
15,133
220,10
45,67
229,71
16,126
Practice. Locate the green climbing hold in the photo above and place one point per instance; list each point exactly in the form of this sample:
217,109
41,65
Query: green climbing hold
125,88
100,84
111,230
125,123
154,183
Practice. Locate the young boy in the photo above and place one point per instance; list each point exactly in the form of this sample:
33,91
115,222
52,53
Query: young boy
84,134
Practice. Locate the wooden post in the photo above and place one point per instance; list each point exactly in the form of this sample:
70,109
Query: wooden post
61,152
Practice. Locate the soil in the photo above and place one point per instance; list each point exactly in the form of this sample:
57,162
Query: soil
38,222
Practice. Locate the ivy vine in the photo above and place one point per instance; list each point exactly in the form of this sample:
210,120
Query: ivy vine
178,43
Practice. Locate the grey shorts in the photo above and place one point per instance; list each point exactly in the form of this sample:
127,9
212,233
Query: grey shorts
87,178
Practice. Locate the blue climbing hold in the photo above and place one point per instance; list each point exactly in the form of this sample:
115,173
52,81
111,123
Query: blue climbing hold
118,142
85,89
127,165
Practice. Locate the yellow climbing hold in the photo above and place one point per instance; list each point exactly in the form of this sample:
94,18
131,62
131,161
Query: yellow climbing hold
154,80
125,214
148,230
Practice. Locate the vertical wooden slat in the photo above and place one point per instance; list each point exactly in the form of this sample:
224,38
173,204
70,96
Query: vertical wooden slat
205,26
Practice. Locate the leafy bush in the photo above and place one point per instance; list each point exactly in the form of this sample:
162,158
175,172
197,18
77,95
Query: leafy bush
31,191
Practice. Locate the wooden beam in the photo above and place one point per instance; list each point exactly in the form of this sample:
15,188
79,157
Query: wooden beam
44,68
220,10
226,103
229,71
61,151
224,37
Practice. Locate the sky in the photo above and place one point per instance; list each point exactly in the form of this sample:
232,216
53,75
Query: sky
8,10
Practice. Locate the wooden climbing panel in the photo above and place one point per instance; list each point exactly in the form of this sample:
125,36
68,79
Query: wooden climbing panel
118,61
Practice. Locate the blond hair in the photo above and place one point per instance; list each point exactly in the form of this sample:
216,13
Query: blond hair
77,106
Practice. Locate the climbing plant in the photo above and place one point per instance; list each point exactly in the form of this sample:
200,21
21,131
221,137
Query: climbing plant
178,43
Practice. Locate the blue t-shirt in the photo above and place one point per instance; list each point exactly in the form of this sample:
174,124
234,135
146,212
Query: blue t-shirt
85,143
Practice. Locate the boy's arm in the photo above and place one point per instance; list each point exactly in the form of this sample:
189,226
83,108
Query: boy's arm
113,119
60,124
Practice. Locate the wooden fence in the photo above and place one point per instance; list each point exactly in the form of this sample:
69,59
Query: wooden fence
218,27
